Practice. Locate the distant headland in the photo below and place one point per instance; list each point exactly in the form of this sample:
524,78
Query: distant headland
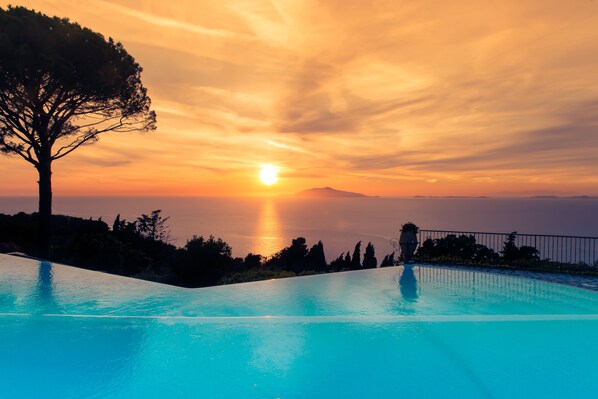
327,192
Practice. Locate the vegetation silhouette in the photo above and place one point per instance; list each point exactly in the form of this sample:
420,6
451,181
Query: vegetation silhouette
153,226
343,262
61,87
389,260
369,257
512,253
462,247
141,249
464,250
316,259
203,262
292,258
356,258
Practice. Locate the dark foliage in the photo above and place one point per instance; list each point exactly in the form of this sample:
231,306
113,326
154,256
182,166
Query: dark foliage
463,248
348,261
292,258
135,249
253,261
203,262
315,259
340,263
369,257
86,243
153,226
518,255
160,253
510,250
55,76
389,260
356,258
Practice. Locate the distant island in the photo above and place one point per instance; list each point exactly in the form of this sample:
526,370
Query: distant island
450,196
561,197
327,192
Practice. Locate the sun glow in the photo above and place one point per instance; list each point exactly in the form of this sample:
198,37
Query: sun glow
269,174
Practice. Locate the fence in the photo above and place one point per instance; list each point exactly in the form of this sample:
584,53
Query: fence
539,250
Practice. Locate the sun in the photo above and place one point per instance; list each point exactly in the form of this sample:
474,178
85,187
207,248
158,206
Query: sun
269,174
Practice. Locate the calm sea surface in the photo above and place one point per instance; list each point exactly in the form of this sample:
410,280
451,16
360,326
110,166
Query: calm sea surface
266,225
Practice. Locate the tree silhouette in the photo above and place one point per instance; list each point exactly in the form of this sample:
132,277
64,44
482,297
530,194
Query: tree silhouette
316,259
356,261
290,258
116,225
203,262
458,248
369,257
153,226
343,262
521,255
337,264
347,261
253,261
510,251
61,86
389,260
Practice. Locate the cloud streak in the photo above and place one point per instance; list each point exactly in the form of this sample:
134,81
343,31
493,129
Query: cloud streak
385,97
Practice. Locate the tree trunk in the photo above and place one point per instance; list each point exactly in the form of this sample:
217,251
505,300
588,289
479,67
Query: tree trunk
45,206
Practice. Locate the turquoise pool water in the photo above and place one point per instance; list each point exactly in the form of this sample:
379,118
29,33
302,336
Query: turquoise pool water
387,333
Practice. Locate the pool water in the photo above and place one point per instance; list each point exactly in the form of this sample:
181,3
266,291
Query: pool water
387,333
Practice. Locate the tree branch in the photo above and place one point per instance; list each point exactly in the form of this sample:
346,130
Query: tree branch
88,137
9,147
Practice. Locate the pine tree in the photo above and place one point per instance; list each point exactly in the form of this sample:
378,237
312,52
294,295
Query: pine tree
347,262
116,224
369,257
153,226
337,264
316,259
389,260
356,261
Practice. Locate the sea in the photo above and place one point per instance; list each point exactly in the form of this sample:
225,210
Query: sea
266,225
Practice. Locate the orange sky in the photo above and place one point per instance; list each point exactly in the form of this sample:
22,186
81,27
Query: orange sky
382,97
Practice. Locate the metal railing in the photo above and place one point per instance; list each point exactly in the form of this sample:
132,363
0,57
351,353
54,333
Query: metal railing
508,249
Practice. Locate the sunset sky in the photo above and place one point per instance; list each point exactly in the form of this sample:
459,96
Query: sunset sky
382,97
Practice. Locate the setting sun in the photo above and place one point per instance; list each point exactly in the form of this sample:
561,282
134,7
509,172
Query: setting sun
269,174
247,165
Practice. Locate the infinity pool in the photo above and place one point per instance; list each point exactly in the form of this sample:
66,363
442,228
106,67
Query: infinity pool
388,333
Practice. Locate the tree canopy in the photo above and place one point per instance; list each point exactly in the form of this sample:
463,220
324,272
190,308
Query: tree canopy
64,85
369,257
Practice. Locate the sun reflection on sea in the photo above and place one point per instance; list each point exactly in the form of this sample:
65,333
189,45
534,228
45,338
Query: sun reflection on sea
268,235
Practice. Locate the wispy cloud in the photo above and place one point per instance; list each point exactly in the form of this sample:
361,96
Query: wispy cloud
387,97
167,23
